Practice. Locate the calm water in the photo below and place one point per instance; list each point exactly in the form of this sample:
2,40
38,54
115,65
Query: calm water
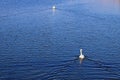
38,43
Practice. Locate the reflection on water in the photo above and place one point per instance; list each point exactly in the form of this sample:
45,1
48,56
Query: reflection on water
81,60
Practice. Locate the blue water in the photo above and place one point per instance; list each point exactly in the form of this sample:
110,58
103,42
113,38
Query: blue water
38,43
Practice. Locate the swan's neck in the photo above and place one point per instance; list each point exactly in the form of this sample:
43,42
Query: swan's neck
80,51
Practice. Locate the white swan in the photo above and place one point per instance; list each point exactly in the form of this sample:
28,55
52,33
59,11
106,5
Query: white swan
81,56
53,7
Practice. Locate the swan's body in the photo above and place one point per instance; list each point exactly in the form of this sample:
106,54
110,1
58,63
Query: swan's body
53,7
81,56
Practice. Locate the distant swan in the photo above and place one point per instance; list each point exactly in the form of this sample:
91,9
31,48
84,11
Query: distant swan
53,7
81,56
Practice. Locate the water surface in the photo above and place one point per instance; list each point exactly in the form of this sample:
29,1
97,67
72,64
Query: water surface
39,43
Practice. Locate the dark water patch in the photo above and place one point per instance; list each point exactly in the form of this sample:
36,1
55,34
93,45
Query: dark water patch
107,67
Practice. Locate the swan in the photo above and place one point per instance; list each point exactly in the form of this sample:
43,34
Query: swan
81,56
53,7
